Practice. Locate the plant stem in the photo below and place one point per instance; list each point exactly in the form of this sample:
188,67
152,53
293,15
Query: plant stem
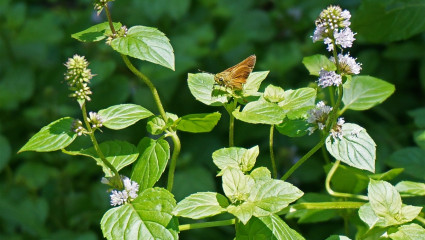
108,15
97,148
173,163
326,205
325,154
185,227
331,95
274,169
338,194
303,159
231,122
420,219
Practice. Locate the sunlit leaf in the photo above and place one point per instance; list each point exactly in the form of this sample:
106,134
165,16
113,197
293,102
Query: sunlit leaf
201,205
95,33
198,123
123,115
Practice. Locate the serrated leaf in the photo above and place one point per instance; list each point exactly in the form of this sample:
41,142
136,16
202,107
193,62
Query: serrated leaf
260,112
243,211
198,123
318,62
201,85
253,82
409,188
264,228
235,157
201,205
150,165
146,217
299,98
156,125
95,33
118,153
364,92
411,159
261,173
293,128
271,196
146,43
57,135
355,148
368,216
123,115
274,94
409,232
236,185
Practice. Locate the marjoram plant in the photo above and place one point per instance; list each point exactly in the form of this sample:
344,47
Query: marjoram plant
255,196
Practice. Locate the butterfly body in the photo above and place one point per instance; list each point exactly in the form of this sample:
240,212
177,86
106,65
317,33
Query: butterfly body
234,77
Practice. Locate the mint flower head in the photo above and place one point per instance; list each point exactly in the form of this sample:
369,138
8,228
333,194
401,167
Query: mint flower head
100,4
318,116
78,76
126,195
329,78
95,120
347,64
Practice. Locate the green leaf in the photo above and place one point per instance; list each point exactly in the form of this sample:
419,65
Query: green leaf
293,128
236,157
95,33
261,173
201,205
409,232
118,153
271,196
146,217
338,237
410,189
348,179
236,185
386,176
318,62
386,204
57,135
418,116
299,98
201,85
368,216
198,123
419,137
355,148
123,115
253,82
156,125
274,94
5,151
364,92
265,228
150,165
387,21
260,112
411,159
243,211
146,43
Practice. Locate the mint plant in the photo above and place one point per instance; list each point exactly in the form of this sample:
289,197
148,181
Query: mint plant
256,197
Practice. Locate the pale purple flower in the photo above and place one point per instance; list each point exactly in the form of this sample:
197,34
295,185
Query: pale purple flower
347,64
329,78
318,116
344,38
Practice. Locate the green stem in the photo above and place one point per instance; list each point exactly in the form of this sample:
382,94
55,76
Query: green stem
331,95
325,154
272,153
326,205
231,122
338,194
420,219
303,159
97,148
173,163
185,227
108,15
148,83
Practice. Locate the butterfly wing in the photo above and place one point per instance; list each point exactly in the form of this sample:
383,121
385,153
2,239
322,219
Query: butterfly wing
240,72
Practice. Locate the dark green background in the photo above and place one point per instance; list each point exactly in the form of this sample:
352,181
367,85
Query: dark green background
55,196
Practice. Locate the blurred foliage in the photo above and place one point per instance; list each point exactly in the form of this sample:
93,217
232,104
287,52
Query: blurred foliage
54,196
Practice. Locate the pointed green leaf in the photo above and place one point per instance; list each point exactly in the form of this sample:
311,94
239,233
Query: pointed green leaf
118,153
253,82
265,228
146,43
236,157
293,128
201,85
388,175
201,205
123,115
198,123
318,62
261,173
95,33
236,185
260,112
57,135
355,148
146,217
271,196
411,159
274,94
409,188
368,216
295,99
409,232
243,211
150,165
156,125
364,92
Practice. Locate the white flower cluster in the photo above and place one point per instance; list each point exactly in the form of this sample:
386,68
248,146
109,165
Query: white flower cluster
95,120
318,116
336,132
329,78
128,194
347,64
